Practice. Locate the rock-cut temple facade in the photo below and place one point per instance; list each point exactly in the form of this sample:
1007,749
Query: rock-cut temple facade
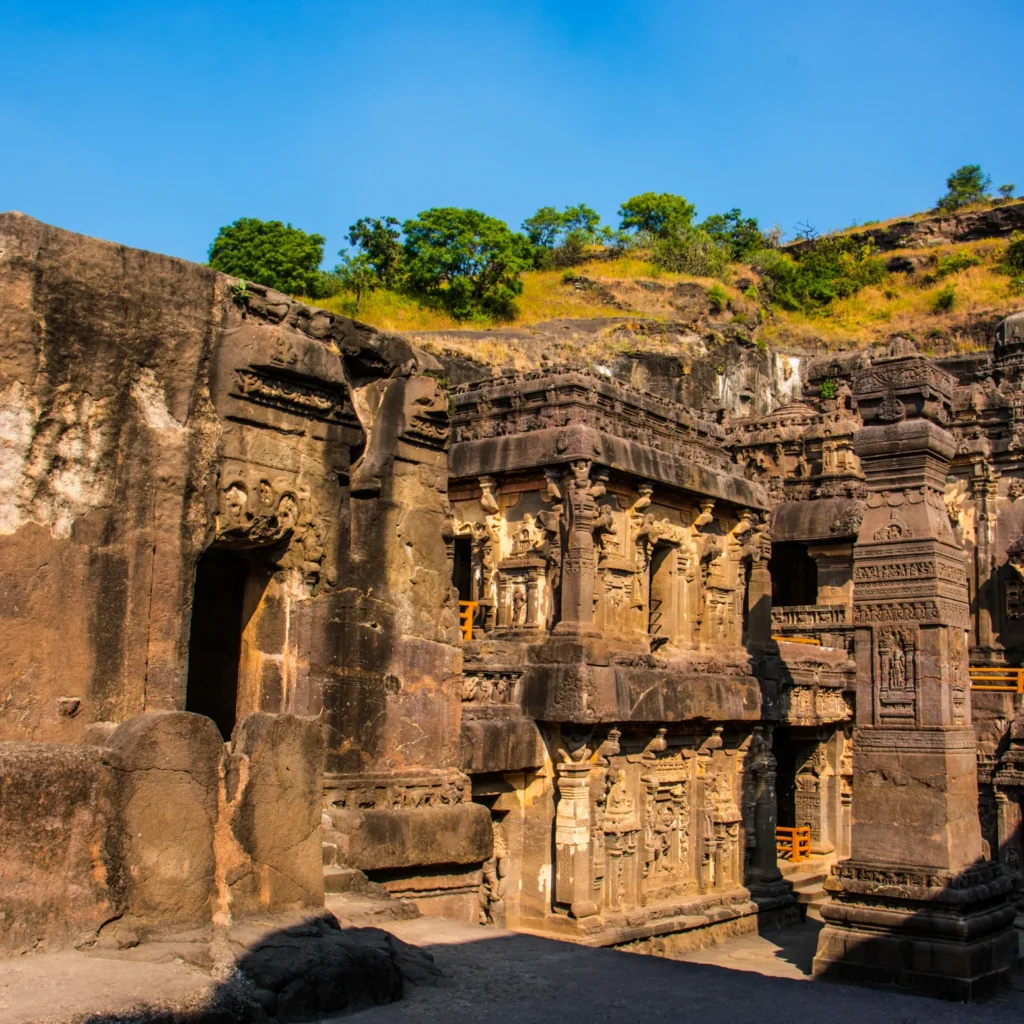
280,608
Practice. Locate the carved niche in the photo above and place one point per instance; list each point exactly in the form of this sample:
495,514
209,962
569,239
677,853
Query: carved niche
895,668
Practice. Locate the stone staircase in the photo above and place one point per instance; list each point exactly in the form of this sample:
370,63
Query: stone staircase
807,878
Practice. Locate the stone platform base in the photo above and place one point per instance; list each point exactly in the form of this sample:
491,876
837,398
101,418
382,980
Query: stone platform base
452,892
936,933
663,928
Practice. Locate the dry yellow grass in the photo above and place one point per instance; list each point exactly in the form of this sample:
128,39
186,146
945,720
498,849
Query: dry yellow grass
901,304
546,296
905,304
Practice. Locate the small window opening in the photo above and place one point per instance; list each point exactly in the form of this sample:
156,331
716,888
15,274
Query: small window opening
794,575
462,568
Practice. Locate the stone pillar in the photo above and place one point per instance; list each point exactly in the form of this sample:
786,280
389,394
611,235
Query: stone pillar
759,587
984,488
573,889
760,770
397,800
915,905
578,566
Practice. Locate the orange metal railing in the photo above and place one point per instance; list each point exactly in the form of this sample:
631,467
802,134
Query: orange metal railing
798,639
793,844
467,612
1000,680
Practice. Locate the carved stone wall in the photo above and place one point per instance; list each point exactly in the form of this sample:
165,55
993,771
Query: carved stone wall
167,417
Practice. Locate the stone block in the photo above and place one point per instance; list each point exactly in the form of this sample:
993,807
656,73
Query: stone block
54,816
377,840
275,812
166,773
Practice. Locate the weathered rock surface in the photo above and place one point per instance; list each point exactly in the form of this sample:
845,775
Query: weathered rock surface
939,229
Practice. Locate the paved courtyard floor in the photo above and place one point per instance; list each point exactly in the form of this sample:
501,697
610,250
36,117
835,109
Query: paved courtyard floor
520,979
502,977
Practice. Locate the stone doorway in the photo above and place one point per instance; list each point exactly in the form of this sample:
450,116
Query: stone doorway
809,784
215,637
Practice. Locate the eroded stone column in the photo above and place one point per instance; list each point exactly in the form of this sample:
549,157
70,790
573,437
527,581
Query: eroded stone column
915,905
397,800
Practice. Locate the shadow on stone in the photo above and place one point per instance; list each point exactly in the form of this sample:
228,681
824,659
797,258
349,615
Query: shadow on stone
302,972
939,933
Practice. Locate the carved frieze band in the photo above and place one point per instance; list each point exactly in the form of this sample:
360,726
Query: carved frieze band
945,611
916,740
304,400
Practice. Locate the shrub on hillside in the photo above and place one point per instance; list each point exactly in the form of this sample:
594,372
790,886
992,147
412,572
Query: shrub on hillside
966,185
1013,259
468,262
274,254
690,250
954,262
718,298
836,267
560,239
945,300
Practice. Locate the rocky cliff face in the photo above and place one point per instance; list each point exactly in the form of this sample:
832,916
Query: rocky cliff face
941,229
703,361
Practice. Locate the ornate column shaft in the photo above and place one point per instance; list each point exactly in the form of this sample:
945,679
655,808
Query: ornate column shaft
914,905
578,568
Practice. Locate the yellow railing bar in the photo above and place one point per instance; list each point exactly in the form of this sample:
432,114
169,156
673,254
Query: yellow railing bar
998,680
798,639
794,844
467,612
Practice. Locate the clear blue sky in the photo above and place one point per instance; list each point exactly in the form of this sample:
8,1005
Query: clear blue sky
154,123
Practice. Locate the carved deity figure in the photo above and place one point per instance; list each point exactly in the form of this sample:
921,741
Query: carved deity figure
620,811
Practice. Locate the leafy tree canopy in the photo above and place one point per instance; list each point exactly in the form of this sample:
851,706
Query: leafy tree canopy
656,214
356,274
380,240
545,227
548,228
964,186
273,254
739,235
466,260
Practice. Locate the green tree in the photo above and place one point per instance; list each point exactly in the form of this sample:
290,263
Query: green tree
469,262
583,221
656,214
1006,191
273,254
964,186
740,235
560,239
545,227
380,240
357,274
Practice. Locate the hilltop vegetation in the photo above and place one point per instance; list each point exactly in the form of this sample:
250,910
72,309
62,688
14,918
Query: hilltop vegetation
450,268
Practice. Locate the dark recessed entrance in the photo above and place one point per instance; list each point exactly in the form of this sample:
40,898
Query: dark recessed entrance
794,575
215,642
462,567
